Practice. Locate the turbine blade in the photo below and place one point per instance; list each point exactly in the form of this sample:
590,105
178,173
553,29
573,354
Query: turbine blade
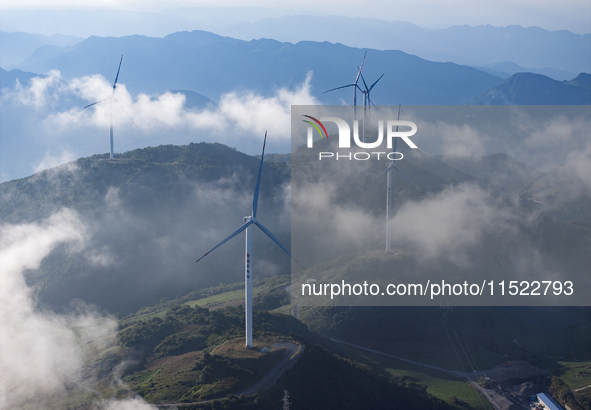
404,175
376,82
338,88
98,102
363,79
119,69
90,105
270,235
255,200
242,228
359,72
381,175
131,119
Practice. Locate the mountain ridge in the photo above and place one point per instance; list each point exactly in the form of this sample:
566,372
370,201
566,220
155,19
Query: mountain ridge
481,44
155,65
538,89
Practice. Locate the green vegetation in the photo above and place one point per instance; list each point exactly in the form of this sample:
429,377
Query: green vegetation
185,352
461,339
484,334
570,376
349,385
269,294
200,375
575,374
321,380
466,339
192,353
455,392
564,395
189,348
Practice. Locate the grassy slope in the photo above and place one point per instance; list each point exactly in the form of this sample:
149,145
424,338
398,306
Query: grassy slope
192,354
456,393
148,382
500,330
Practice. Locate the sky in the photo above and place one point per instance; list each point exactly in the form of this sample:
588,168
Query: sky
572,15
49,335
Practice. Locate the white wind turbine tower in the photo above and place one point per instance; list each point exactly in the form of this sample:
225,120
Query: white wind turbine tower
111,98
248,221
389,188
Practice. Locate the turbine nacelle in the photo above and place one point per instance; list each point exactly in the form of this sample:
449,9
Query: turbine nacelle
355,87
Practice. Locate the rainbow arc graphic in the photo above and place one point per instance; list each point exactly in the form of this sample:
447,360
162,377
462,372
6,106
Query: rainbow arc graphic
316,126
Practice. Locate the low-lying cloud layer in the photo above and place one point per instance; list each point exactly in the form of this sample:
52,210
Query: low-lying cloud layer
48,117
451,221
452,231
41,353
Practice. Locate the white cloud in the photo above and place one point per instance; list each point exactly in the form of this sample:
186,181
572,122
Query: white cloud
52,161
128,404
551,142
451,221
41,353
323,227
52,127
37,94
38,350
236,114
578,165
102,258
453,140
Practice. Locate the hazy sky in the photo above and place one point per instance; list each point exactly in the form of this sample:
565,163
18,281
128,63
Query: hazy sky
572,15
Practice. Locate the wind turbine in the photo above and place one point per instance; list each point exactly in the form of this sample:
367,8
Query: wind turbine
355,87
389,188
248,221
111,98
366,99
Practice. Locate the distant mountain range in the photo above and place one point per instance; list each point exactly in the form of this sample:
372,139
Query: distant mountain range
559,54
206,66
266,65
194,101
506,69
15,47
8,79
537,89
476,46
212,65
